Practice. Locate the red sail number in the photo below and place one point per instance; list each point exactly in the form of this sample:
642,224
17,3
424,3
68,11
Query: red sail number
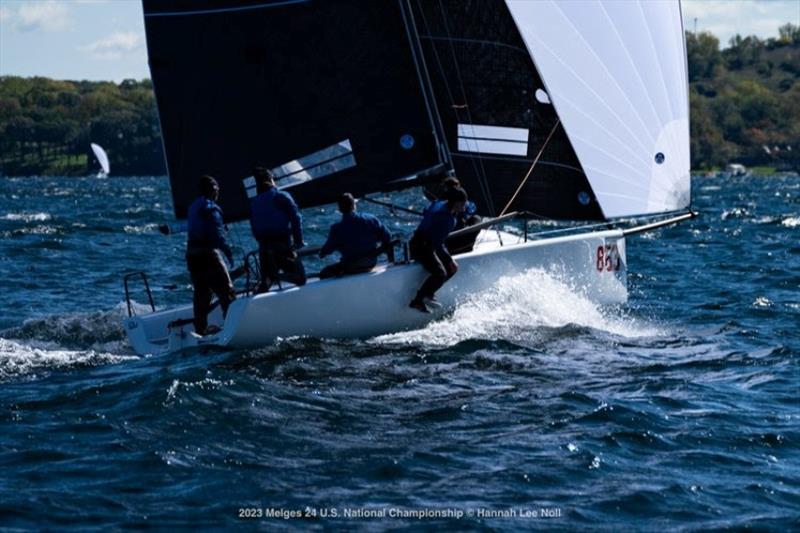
608,258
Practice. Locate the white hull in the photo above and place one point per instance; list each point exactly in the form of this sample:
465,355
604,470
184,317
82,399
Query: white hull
376,303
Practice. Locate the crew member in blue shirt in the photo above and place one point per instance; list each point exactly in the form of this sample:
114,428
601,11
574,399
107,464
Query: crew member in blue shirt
355,238
204,251
278,227
428,246
469,217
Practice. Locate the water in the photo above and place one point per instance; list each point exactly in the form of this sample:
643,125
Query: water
678,410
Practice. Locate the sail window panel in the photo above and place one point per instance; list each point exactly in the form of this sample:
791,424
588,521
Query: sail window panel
316,165
325,162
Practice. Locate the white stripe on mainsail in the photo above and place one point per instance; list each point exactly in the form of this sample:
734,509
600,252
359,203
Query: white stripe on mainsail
616,74
485,146
503,133
481,138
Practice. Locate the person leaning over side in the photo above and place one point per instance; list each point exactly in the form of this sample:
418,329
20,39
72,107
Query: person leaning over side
355,238
428,246
276,222
464,243
203,255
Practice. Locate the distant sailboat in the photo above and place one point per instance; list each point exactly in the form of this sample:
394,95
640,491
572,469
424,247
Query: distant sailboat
102,158
546,110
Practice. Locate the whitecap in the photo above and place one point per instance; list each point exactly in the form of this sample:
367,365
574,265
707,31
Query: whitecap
138,230
19,358
761,301
791,222
27,217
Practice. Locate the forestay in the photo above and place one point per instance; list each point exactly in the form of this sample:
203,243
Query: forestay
616,74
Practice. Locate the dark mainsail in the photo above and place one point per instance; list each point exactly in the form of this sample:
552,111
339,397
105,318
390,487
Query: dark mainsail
485,86
327,93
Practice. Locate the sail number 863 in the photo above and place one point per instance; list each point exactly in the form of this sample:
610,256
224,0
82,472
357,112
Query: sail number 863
608,259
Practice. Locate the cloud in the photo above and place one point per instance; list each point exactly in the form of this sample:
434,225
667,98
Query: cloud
114,46
725,18
5,13
47,16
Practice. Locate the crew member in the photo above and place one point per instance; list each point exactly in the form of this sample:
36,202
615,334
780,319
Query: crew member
277,226
428,246
355,238
469,217
203,255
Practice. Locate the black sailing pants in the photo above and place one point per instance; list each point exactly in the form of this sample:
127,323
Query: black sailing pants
437,262
346,268
209,275
276,256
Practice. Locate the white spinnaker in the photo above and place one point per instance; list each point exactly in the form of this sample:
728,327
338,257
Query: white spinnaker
102,157
615,70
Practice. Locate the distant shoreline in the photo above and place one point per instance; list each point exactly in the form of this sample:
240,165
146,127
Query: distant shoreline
754,172
744,108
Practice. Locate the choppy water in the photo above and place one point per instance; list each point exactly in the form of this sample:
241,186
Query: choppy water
679,410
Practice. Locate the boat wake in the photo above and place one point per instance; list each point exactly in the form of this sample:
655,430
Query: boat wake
18,359
523,308
63,341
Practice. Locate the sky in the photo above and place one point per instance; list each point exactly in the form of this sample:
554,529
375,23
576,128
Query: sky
104,39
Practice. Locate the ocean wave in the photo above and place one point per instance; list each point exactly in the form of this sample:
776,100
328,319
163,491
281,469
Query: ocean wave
791,222
736,212
138,230
27,217
98,330
25,359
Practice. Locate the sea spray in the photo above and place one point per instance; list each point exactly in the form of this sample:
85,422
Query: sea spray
515,306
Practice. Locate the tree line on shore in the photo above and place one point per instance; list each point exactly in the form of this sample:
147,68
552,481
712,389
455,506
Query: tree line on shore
744,104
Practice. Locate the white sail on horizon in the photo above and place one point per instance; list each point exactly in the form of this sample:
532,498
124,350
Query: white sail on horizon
102,157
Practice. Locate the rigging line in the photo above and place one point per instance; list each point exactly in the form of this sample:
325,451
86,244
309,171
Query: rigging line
530,170
391,206
454,106
482,178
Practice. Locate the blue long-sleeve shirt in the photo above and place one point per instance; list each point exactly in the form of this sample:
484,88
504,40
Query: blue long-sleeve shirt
274,215
437,223
355,237
205,226
469,209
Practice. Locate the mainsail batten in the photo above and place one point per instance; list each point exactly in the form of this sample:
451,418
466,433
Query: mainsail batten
616,74
247,83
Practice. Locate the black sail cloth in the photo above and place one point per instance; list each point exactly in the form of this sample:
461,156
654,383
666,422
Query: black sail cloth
357,96
240,83
484,78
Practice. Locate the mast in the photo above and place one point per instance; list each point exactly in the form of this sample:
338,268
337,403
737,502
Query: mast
425,81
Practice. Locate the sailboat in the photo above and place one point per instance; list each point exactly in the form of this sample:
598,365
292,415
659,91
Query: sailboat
565,110
102,159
